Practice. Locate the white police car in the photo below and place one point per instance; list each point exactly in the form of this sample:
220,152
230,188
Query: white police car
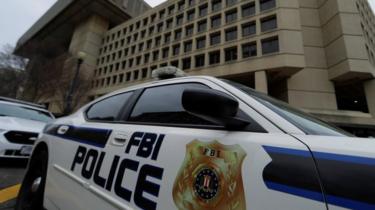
20,124
196,143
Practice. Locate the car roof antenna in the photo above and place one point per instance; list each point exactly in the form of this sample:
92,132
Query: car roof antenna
167,72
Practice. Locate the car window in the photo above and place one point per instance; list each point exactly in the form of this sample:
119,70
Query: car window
307,123
24,112
108,109
163,105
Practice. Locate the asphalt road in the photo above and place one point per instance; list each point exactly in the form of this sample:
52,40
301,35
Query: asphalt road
11,173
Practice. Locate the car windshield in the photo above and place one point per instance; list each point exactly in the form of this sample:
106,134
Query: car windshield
24,112
307,123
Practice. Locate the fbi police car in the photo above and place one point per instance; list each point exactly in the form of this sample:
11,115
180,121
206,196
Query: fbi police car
196,143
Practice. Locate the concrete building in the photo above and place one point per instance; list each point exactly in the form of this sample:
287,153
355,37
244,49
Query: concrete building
317,55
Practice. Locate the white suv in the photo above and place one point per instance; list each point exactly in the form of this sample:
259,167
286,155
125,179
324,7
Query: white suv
20,125
196,143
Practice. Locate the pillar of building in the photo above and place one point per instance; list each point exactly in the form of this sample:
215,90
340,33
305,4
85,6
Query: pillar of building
370,95
261,83
87,37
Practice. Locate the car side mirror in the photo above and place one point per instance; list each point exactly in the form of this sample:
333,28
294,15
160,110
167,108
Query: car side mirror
214,106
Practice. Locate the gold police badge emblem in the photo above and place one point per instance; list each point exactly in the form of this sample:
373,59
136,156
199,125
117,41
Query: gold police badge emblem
210,177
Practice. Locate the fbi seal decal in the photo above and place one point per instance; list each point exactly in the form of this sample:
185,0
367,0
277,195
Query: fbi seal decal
210,177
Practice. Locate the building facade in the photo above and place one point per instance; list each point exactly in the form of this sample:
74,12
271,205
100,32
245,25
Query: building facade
317,55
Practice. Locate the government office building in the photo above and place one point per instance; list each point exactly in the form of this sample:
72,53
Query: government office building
317,55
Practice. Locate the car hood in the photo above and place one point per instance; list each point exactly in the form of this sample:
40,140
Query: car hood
19,124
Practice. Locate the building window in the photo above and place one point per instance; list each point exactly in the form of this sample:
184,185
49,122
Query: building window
267,4
199,60
230,54
136,75
157,41
249,50
203,10
231,16
268,23
201,42
231,34
140,47
161,14
248,29
215,38
163,64
138,24
146,58
144,73
138,60
202,26
167,38
176,49
215,21
151,30
190,15
174,63
160,27
133,49
188,46
130,63
153,17
145,21
186,63
248,9
189,30
170,10
216,5
121,78
270,45
177,34
179,20
165,52
181,5
214,57
169,23
149,43
143,34
230,2
155,55
128,76
190,2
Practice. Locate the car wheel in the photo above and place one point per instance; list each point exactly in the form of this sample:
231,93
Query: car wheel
31,194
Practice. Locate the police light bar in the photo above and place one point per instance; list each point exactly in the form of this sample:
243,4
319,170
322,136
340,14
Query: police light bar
167,73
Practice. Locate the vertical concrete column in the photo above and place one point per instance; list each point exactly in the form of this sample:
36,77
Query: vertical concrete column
370,95
261,83
87,38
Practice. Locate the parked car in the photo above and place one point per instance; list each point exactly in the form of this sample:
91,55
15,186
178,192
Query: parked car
20,124
196,143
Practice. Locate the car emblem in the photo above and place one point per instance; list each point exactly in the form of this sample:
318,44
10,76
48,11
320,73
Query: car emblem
206,184
210,177
62,129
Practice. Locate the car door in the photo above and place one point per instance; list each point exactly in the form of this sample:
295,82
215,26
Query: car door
171,159
79,156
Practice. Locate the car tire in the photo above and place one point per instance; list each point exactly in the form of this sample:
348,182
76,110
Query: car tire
31,194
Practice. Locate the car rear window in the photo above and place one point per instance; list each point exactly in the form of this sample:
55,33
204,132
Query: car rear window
109,108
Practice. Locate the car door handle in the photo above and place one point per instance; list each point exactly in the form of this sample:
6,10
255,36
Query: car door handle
119,138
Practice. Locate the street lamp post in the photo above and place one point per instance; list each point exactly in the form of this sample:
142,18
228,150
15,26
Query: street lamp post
69,96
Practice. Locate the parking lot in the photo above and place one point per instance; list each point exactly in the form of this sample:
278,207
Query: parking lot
11,175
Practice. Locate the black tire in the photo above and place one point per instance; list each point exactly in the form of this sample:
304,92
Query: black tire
29,199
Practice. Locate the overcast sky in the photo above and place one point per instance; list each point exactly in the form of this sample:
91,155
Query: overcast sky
16,16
